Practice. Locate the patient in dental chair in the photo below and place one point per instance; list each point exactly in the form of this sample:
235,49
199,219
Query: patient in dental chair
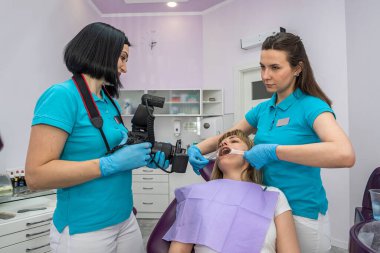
234,212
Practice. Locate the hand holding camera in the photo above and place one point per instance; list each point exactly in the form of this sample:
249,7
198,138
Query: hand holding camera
126,158
159,161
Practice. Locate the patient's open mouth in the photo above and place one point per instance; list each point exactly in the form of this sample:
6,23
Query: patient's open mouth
224,151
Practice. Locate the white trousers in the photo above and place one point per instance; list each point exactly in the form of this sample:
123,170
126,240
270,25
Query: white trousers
313,235
124,237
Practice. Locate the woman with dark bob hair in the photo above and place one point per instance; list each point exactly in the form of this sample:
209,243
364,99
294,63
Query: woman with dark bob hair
68,153
296,135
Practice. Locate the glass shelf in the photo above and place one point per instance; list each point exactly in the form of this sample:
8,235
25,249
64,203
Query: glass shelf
178,103
21,193
181,103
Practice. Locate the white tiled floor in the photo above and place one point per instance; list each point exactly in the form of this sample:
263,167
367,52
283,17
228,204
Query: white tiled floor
338,250
147,225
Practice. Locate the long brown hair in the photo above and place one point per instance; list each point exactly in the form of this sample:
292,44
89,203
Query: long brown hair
249,174
293,46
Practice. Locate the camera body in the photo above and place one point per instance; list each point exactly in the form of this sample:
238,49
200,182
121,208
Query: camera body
143,131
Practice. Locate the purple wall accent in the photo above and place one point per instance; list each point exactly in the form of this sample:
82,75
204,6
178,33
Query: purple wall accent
175,62
119,6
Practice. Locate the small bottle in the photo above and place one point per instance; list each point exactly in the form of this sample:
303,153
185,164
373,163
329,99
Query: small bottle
16,179
21,183
127,107
12,177
23,177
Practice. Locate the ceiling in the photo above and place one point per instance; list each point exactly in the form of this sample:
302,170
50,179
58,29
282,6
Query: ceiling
133,7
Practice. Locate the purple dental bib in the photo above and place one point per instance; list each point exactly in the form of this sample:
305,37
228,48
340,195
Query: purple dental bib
224,215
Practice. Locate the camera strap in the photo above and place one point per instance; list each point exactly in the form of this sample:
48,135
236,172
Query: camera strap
91,108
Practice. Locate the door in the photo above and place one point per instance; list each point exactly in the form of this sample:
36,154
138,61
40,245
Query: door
251,91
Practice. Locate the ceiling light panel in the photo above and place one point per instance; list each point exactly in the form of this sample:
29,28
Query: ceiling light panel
150,1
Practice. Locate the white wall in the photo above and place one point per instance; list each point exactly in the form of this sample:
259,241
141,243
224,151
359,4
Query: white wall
364,90
321,25
33,36
175,62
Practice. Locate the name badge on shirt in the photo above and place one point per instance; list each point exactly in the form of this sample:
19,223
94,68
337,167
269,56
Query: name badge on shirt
282,122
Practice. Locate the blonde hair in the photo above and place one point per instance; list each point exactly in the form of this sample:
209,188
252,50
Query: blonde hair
249,174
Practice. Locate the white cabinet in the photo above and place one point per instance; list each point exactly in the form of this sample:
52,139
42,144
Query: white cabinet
212,102
186,102
152,188
27,231
150,192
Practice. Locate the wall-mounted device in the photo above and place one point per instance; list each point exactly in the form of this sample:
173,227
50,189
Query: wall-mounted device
177,128
256,40
211,126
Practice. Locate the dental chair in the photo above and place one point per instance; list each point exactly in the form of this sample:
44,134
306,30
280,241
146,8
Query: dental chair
155,243
364,218
364,213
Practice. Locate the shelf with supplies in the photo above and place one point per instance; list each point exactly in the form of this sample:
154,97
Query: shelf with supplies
181,102
25,220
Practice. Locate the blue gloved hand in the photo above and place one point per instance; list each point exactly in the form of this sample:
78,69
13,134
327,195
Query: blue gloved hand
127,158
261,154
196,159
159,159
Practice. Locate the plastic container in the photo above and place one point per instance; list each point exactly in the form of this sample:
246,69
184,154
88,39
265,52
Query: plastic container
6,188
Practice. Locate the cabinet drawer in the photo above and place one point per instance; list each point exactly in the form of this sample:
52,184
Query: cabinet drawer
151,203
150,188
13,226
37,245
24,235
148,171
150,178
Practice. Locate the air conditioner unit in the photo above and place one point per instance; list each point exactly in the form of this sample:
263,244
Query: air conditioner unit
254,41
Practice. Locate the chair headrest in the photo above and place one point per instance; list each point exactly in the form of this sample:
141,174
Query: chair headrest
206,171
373,183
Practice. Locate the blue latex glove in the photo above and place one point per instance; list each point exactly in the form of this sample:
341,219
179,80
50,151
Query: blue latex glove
196,159
260,155
159,159
127,158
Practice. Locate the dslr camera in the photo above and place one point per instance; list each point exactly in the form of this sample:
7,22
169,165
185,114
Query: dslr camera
143,131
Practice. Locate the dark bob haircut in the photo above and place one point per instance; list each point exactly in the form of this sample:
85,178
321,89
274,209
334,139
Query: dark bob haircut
95,51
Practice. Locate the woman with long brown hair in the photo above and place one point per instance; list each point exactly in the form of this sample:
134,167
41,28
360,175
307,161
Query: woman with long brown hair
296,135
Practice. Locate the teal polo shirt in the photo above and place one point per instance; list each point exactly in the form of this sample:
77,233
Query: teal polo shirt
291,123
101,202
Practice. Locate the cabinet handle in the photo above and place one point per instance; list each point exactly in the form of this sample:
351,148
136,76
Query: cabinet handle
147,203
38,247
147,171
147,188
38,233
147,178
38,222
